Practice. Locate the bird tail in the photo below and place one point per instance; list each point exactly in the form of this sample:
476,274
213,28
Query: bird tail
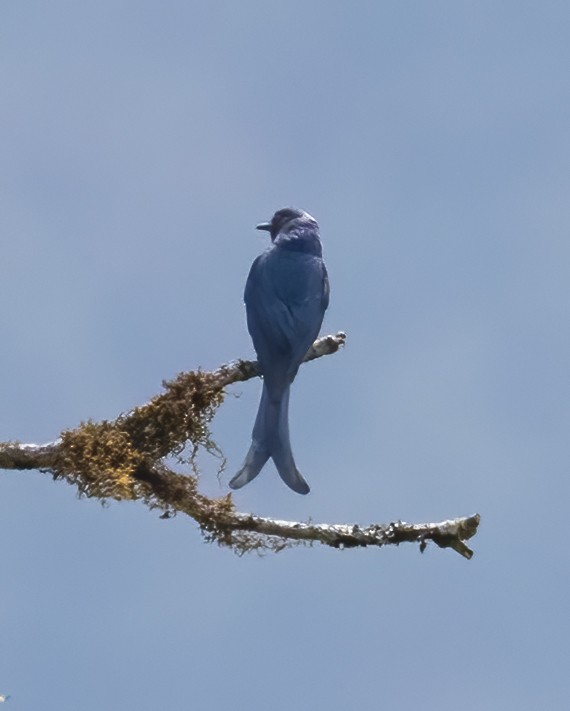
270,438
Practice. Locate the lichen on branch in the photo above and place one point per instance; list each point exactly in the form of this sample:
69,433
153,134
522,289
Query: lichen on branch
103,459
107,459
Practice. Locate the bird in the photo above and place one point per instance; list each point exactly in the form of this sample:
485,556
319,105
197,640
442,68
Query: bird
286,296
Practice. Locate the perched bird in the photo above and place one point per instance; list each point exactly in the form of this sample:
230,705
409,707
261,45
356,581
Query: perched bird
286,296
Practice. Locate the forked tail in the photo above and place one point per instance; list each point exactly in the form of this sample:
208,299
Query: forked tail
270,438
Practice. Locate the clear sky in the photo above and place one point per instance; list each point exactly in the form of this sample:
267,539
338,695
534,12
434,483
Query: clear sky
140,142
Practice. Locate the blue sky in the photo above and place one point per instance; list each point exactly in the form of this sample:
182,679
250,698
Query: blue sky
140,142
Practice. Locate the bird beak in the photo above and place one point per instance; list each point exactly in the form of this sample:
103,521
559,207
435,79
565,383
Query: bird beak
264,226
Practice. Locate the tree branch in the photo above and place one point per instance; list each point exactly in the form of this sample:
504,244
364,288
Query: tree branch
446,534
122,459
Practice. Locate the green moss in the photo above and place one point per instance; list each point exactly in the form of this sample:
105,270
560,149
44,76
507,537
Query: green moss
100,460
179,416
107,459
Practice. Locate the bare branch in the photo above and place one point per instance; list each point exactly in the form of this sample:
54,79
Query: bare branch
447,534
14,455
245,369
122,459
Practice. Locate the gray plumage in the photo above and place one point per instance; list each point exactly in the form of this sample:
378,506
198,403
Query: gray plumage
286,295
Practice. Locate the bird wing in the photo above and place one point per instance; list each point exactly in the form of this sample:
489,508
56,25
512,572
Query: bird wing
326,289
286,297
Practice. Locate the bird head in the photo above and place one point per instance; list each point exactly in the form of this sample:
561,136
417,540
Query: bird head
285,218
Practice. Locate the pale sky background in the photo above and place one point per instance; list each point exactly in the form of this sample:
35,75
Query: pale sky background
140,142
